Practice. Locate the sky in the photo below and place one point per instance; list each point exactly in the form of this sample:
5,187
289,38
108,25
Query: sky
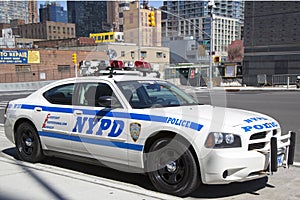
154,3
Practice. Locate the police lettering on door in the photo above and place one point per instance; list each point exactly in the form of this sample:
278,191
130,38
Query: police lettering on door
96,126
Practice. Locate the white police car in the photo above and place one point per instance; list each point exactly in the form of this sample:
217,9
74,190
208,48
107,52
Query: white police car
148,125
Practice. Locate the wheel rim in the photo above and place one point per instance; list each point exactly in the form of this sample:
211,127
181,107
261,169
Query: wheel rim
27,142
172,167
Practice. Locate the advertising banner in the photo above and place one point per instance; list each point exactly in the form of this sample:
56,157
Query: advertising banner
19,57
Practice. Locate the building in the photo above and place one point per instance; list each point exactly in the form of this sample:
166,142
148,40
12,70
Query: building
52,11
13,10
48,30
123,5
137,28
113,19
32,11
192,18
89,16
272,40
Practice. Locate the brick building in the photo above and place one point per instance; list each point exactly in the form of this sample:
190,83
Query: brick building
48,30
52,65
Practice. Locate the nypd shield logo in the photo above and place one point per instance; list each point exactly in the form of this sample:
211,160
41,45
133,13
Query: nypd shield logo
135,130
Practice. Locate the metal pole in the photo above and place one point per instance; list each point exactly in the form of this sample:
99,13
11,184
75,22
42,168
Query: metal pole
139,39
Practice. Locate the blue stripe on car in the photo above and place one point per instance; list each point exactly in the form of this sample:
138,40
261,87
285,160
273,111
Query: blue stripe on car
122,145
109,113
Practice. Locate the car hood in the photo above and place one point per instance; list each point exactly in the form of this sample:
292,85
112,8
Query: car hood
222,119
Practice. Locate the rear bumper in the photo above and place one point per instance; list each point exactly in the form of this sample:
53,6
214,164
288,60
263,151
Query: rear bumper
223,166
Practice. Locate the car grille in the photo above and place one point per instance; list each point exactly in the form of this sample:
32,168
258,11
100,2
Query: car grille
258,136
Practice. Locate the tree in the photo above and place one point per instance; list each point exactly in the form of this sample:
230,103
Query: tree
236,51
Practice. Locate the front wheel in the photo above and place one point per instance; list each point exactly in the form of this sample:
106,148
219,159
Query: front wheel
172,167
28,143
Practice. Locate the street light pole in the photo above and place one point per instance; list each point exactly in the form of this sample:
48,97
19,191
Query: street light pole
211,5
139,36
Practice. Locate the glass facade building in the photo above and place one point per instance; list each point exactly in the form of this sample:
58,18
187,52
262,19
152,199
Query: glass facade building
89,16
53,12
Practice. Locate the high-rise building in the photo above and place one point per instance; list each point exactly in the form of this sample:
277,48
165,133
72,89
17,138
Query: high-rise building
272,41
52,11
32,11
193,18
89,16
137,28
13,10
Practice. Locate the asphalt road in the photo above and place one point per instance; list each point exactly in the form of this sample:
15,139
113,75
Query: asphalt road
282,185
284,106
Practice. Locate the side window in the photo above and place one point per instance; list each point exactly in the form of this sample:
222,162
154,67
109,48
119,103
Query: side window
60,95
97,95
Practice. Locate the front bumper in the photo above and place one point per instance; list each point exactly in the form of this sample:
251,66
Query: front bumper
223,166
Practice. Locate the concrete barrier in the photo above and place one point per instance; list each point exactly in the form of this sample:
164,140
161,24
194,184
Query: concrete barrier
23,86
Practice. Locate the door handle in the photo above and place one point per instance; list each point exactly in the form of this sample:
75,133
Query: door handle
78,112
38,109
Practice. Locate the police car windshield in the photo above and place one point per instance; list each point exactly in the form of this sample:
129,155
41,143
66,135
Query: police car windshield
146,94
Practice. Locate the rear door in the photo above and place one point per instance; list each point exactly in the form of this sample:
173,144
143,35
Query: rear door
55,118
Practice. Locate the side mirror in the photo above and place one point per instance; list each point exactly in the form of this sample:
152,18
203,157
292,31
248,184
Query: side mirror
108,101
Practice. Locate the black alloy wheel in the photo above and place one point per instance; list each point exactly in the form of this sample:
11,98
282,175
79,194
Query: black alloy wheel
28,143
172,167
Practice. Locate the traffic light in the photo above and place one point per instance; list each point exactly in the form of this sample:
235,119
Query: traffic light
217,59
151,18
74,58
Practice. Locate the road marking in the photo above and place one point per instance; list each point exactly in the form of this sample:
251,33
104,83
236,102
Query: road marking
3,104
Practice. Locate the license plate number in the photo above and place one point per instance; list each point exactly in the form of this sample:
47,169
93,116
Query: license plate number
279,160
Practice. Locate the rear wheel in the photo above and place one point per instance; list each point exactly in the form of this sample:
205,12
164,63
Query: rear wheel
28,143
172,168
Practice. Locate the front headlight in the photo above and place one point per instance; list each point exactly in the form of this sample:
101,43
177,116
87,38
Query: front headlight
222,140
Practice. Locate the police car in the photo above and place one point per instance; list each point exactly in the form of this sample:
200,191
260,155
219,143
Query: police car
147,125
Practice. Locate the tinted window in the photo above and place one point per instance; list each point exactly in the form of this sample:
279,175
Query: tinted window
60,95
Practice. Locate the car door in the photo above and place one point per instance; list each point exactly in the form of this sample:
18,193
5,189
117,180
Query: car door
98,123
55,117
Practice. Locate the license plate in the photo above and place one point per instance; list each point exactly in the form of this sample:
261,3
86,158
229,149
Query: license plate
280,160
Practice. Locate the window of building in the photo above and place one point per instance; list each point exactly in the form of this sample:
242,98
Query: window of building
131,18
62,68
144,54
123,53
23,68
132,54
72,31
58,29
159,54
68,30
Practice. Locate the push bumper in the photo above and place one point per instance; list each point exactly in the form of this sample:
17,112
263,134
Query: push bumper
223,166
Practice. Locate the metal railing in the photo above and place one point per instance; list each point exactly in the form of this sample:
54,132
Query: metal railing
284,79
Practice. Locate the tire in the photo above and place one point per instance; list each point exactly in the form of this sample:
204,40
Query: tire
28,143
172,168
